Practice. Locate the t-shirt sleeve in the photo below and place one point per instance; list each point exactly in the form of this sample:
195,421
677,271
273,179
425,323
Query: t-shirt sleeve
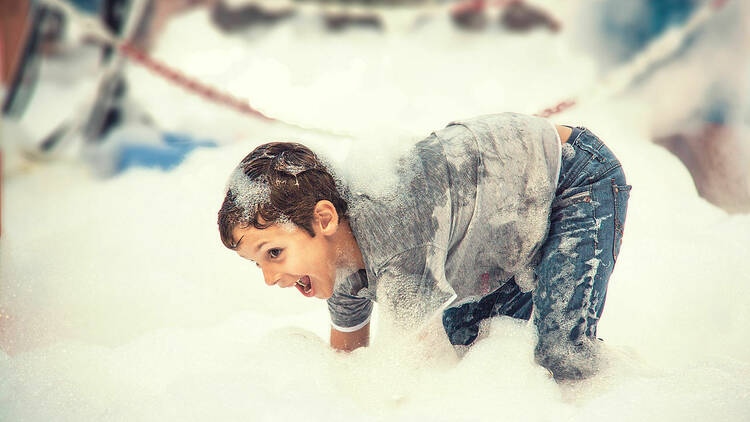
349,312
412,287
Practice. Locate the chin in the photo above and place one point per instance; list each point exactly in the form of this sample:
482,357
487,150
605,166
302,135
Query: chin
324,295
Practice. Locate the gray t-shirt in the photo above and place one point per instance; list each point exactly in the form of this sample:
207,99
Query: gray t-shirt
471,210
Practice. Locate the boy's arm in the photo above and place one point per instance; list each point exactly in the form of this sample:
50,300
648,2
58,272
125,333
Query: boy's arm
347,342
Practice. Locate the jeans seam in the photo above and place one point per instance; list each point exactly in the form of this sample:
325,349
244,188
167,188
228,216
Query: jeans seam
590,149
593,155
596,226
617,227
573,174
581,131
603,174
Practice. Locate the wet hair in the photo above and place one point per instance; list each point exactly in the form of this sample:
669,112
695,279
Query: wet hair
279,182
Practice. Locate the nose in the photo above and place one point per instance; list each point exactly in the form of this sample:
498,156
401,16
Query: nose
269,276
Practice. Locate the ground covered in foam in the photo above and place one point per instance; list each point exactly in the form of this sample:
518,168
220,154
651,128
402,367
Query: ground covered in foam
118,301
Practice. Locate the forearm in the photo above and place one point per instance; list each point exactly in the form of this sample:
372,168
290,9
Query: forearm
347,342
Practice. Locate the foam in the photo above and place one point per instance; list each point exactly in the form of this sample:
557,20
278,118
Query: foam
248,194
125,305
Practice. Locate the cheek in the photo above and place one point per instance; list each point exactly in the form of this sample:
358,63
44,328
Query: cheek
302,262
318,256
313,258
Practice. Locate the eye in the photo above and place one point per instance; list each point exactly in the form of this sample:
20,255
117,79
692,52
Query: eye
274,253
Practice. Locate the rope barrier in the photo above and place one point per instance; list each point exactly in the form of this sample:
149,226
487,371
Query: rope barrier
190,84
615,82
475,5
557,109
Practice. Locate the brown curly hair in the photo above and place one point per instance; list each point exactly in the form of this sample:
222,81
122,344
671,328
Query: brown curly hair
293,180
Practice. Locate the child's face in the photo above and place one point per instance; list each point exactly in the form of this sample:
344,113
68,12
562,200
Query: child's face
289,256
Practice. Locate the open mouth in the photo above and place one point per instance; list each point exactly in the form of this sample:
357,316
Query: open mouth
304,285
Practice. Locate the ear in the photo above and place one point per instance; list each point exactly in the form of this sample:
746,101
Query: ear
325,217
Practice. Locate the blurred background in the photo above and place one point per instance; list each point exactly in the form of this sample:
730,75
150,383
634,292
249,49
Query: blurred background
66,64
121,120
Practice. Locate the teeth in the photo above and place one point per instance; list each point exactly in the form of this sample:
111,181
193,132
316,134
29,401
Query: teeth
306,287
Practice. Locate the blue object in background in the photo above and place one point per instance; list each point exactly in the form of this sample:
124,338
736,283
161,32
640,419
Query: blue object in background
89,6
165,157
633,24
628,27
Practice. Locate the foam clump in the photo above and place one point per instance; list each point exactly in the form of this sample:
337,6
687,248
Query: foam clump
248,194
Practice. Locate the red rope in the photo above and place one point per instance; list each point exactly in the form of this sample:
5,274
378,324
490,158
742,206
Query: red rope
188,83
219,97
479,5
469,5
718,4
559,108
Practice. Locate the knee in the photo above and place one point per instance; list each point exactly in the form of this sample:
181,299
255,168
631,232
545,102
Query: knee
569,361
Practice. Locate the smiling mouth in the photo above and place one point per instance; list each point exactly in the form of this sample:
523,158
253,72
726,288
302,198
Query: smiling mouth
304,285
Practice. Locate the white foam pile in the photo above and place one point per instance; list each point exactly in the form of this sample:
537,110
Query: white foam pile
119,302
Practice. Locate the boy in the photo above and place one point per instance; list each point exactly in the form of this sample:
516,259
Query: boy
498,215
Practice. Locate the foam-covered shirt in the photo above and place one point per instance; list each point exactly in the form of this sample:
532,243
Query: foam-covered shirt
471,210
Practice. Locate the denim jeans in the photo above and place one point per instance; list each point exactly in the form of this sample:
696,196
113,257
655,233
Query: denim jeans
573,266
